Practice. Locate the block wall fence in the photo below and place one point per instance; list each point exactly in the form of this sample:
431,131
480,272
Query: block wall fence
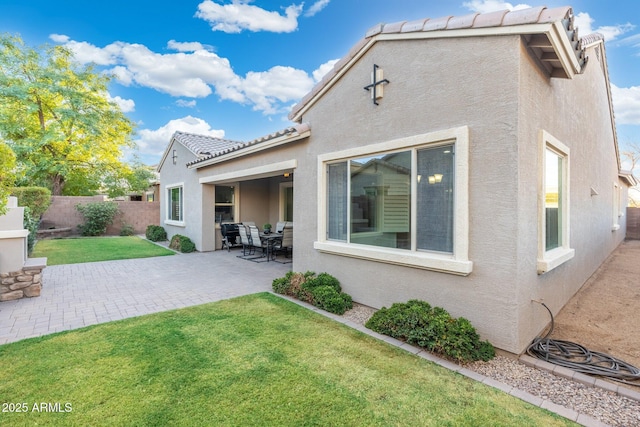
633,223
63,214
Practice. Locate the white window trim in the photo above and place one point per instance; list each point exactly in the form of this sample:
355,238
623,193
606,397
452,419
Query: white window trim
548,260
167,205
235,204
456,263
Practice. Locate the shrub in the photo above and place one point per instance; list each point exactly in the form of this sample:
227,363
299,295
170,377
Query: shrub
36,201
127,230
322,290
432,328
182,243
98,216
155,233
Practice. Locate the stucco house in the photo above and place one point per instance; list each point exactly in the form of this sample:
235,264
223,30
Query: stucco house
470,161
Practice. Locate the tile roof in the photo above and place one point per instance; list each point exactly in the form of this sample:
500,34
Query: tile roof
499,21
202,145
224,147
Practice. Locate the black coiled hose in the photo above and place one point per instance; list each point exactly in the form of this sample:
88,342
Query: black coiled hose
580,359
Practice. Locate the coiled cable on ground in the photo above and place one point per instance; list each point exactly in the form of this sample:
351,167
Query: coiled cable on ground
580,359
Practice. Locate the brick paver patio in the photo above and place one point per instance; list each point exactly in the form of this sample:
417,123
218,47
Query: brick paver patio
78,295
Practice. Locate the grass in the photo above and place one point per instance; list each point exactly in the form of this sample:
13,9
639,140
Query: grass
257,360
90,249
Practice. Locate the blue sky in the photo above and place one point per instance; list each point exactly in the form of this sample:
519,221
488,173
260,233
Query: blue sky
234,69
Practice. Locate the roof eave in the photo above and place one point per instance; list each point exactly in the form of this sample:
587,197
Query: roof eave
266,145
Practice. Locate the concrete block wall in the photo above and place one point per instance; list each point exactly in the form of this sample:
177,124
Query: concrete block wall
63,213
633,223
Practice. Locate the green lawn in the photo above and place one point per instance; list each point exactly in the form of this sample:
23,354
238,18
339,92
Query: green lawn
257,360
89,249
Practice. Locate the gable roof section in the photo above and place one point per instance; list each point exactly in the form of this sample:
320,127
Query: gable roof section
199,145
549,34
230,151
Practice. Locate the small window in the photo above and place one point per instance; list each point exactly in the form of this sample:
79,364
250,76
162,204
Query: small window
175,206
225,203
554,248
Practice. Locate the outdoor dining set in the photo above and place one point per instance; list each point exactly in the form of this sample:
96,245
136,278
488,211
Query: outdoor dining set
259,246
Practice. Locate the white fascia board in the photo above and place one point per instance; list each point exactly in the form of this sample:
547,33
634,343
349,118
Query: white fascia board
259,171
281,140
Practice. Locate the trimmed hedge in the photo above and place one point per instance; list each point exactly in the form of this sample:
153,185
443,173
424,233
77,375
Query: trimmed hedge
322,291
433,329
182,243
155,233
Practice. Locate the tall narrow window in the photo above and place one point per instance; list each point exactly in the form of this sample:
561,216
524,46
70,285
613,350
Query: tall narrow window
554,232
553,199
174,205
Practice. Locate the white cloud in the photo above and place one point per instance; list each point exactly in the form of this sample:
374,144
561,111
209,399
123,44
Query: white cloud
323,69
196,72
316,7
486,6
185,103
154,142
187,46
584,23
626,104
278,84
240,15
126,105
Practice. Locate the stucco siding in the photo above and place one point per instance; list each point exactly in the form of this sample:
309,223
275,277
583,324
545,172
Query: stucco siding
576,113
434,85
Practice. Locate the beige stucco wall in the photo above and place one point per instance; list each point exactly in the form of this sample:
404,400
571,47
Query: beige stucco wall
575,112
492,86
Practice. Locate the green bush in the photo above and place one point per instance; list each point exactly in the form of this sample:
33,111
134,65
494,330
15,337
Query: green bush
322,290
127,230
36,201
98,216
182,243
432,328
155,233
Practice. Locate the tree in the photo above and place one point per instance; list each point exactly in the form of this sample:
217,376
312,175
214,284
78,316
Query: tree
7,177
631,161
57,118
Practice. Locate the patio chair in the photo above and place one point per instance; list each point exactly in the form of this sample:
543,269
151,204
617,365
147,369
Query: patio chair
245,240
284,245
257,242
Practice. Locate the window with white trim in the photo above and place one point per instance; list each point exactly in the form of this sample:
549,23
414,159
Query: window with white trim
175,205
553,244
402,202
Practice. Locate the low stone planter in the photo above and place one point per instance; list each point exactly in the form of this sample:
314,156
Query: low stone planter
25,283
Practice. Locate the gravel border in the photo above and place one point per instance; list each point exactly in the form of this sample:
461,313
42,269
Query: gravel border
602,405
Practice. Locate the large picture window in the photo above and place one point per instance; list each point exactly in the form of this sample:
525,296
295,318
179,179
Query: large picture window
553,246
404,201
175,205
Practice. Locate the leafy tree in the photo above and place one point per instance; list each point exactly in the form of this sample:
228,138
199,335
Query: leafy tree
57,118
7,176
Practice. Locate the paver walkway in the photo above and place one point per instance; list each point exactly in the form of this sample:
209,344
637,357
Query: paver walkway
78,295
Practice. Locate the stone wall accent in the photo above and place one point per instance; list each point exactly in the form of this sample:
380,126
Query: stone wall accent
25,283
